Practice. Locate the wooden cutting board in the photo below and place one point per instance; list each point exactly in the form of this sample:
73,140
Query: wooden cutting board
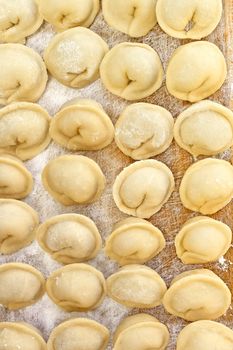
45,315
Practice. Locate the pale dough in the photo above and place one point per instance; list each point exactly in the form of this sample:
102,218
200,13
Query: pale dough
205,128
18,20
76,287
73,57
196,71
134,241
132,71
67,14
202,239
82,125
73,179
197,295
79,333
20,335
20,285
144,130
69,238
192,19
133,17
143,187
141,332
24,129
18,224
207,186
136,286
206,335
15,180
23,74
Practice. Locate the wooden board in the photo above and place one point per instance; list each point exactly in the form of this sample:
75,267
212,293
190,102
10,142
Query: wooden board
45,314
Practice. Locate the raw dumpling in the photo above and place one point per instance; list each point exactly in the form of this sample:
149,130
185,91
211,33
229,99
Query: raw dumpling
70,238
206,335
205,128
79,333
15,180
143,187
18,19
136,286
23,74
18,223
20,285
197,295
207,186
202,240
133,17
144,130
192,19
76,287
20,335
74,56
141,332
195,71
24,129
69,13
82,125
134,241
73,179
132,71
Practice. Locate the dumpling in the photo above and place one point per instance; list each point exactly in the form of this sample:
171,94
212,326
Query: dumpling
74,56
76,287
20,335
132,71
24,129
23,74
207,186
136,286
196,71
141,332
20,285
134,241
82,125
133,17
18,224
205,128
73,179
143,187
206,335
15,180
18,19
69,13
144,130
70,238
202,239
79,333
197,295
193,19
